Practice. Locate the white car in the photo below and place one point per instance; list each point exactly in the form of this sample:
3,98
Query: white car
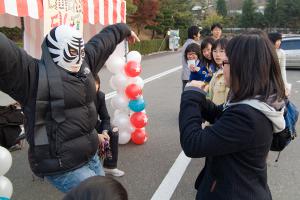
291,46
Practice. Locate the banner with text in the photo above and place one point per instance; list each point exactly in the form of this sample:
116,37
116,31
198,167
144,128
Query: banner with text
58,12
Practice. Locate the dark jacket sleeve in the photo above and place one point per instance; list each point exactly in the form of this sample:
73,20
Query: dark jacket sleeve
18,71
232,132
104,122
102,45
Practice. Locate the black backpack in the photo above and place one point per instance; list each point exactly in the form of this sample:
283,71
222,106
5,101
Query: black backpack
10,120
283,138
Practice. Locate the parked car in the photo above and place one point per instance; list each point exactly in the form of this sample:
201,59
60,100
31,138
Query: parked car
291,46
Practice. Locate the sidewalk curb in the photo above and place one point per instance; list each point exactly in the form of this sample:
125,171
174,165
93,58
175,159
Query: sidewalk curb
159,53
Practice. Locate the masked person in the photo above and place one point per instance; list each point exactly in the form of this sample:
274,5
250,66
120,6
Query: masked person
56,94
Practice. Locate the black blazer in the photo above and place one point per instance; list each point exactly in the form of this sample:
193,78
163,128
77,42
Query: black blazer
103,122
236,147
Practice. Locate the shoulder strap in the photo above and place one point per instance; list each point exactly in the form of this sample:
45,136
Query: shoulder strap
42,105
56,91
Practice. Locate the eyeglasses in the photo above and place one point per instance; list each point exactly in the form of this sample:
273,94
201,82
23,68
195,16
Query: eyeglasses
225,62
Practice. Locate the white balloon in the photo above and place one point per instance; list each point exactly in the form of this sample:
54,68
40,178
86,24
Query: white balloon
111,84
136,80
5,160
119,81
134,56
117,111
6,188
124,137
120,102
115,64
127,127
121,121
117,114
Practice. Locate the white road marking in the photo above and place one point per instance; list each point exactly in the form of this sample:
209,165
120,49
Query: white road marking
171,180
147,80
298,81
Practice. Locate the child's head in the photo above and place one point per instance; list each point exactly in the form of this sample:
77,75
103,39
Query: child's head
194,33
98,187
218,51
206,46
216,30
97,83
275,39
192,52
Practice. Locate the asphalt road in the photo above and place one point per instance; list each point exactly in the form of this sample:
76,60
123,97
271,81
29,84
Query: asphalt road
146,165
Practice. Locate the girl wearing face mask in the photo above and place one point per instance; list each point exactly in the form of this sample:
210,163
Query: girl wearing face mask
207,68
217,89
192,55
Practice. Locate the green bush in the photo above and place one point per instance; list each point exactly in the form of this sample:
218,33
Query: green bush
14,34
150,46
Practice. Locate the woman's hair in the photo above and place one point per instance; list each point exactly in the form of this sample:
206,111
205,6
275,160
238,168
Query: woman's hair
205,42
254,68
193,47
275,36
98,188
222,43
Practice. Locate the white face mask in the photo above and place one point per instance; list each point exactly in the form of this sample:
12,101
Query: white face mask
66,47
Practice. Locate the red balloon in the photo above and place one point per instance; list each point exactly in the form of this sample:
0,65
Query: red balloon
132,69
139,136
133,91
139,119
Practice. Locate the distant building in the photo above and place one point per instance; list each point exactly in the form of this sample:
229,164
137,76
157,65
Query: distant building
235,6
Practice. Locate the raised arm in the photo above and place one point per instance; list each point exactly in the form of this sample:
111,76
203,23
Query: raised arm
102,45
231,133
17,70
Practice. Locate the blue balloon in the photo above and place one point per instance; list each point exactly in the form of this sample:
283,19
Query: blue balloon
137,105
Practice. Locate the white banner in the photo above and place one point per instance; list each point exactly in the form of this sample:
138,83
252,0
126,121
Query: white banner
58,12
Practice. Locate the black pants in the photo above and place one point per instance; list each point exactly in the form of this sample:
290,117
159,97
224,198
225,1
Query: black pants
111,163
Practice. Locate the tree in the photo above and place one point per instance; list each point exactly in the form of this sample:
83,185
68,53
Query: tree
259,21
270,13
248,14
130,7
211,19
221,8
275,13
173,14
292,10
145,14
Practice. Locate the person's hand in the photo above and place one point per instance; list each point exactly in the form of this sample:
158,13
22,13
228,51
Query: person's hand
288,89
102,138
105,133
199,84
133,38
192,68
287,92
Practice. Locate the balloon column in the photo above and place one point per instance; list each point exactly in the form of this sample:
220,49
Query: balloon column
6,188
130,115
